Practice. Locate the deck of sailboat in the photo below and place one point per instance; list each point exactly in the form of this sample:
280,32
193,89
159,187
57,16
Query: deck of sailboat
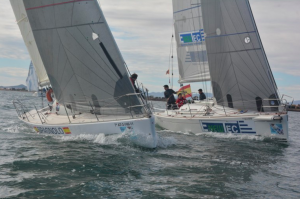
51,118
199,111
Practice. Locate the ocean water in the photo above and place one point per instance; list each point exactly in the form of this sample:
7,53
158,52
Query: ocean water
184,165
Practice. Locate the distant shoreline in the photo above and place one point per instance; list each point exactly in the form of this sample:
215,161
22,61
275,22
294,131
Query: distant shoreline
17,91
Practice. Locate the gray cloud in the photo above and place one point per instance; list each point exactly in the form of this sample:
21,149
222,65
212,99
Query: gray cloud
143,32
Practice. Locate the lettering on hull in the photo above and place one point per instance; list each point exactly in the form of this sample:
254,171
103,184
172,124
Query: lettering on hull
246,127
52,130
125,127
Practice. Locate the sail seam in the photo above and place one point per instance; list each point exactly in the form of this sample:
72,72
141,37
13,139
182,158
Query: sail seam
229,34
55,4
68,26
233,51
186,9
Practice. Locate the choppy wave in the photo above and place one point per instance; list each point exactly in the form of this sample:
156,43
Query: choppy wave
184,165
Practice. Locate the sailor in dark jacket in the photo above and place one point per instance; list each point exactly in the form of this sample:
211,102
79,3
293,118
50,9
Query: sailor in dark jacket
202,95
171,102
133,79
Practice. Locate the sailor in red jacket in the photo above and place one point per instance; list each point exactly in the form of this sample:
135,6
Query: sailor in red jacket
180,101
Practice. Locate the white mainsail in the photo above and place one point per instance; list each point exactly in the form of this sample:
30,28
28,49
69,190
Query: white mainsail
190,39
81,57
25,28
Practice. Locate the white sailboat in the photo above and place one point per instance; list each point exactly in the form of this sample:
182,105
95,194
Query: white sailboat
218,41
32,80
78,56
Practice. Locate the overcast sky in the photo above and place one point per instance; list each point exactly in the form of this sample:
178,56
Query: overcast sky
143,32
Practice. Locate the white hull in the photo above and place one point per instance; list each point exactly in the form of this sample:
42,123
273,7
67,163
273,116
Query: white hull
267,125
141,130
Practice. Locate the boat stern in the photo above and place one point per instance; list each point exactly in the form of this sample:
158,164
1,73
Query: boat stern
273,126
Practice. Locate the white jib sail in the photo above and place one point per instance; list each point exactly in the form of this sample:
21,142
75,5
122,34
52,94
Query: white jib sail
26,31
190,39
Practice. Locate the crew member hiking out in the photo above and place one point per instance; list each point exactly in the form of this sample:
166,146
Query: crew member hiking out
202,95
170,97
133,78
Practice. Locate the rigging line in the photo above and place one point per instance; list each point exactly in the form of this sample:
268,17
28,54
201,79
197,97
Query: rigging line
58,60
172,61
63,71
253,47
72,14
64,67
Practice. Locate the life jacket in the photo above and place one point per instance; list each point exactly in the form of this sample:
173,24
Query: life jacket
180,102
48,95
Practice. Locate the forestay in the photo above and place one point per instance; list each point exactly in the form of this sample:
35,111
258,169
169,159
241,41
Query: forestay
240,74
80,55
25,28
190,39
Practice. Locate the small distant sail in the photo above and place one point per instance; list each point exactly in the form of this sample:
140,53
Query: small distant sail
32,80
